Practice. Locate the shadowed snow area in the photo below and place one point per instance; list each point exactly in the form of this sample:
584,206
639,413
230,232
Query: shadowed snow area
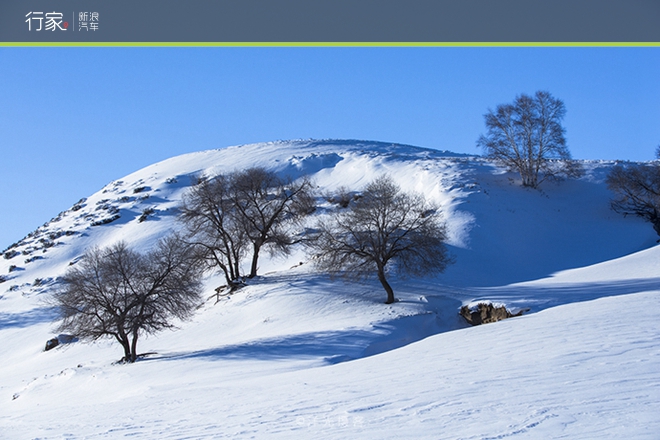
296,354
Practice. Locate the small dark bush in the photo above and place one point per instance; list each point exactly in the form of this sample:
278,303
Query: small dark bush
37,282
2,279
108,207
55,235
12,268
105,221
145,214
10,254
342,198
171,180
79,204
140,189
46,243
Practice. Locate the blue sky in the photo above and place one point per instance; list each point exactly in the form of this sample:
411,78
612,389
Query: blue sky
74,119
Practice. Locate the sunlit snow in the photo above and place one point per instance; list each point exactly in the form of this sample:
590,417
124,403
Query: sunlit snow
296,354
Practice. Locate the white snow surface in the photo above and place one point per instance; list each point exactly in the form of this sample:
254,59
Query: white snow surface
296,354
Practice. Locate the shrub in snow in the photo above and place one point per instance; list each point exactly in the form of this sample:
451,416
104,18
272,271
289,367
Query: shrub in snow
140,189
10,254
46,243
79,204
145,214
107,220
55,235
342,197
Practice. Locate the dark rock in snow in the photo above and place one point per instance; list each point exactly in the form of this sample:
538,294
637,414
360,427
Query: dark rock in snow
485,313
51,343
60,339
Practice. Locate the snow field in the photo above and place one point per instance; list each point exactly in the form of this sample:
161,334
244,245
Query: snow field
296,354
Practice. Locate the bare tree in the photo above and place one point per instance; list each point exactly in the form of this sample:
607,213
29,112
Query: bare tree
212,224
637,190
121,293
527,137
384,225
268,206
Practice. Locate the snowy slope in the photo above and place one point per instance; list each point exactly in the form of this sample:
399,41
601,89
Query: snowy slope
298,355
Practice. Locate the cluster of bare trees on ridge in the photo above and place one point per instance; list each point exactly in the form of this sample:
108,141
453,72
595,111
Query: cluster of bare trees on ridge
121,293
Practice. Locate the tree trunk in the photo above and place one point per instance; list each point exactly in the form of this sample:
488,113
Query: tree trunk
237,271
255,259
127,348
386,285
134,347
228,276
122,337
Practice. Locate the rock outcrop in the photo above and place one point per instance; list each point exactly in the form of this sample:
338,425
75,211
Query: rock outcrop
483,313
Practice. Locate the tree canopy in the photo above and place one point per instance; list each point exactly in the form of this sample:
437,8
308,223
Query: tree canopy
384,227
527,137
225,215
121,293
637,190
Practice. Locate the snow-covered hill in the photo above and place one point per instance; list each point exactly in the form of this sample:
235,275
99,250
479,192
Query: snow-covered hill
298,355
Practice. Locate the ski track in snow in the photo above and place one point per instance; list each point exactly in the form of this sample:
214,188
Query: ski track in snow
299,355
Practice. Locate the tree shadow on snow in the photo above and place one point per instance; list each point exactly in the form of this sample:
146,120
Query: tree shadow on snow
28,318
330,346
